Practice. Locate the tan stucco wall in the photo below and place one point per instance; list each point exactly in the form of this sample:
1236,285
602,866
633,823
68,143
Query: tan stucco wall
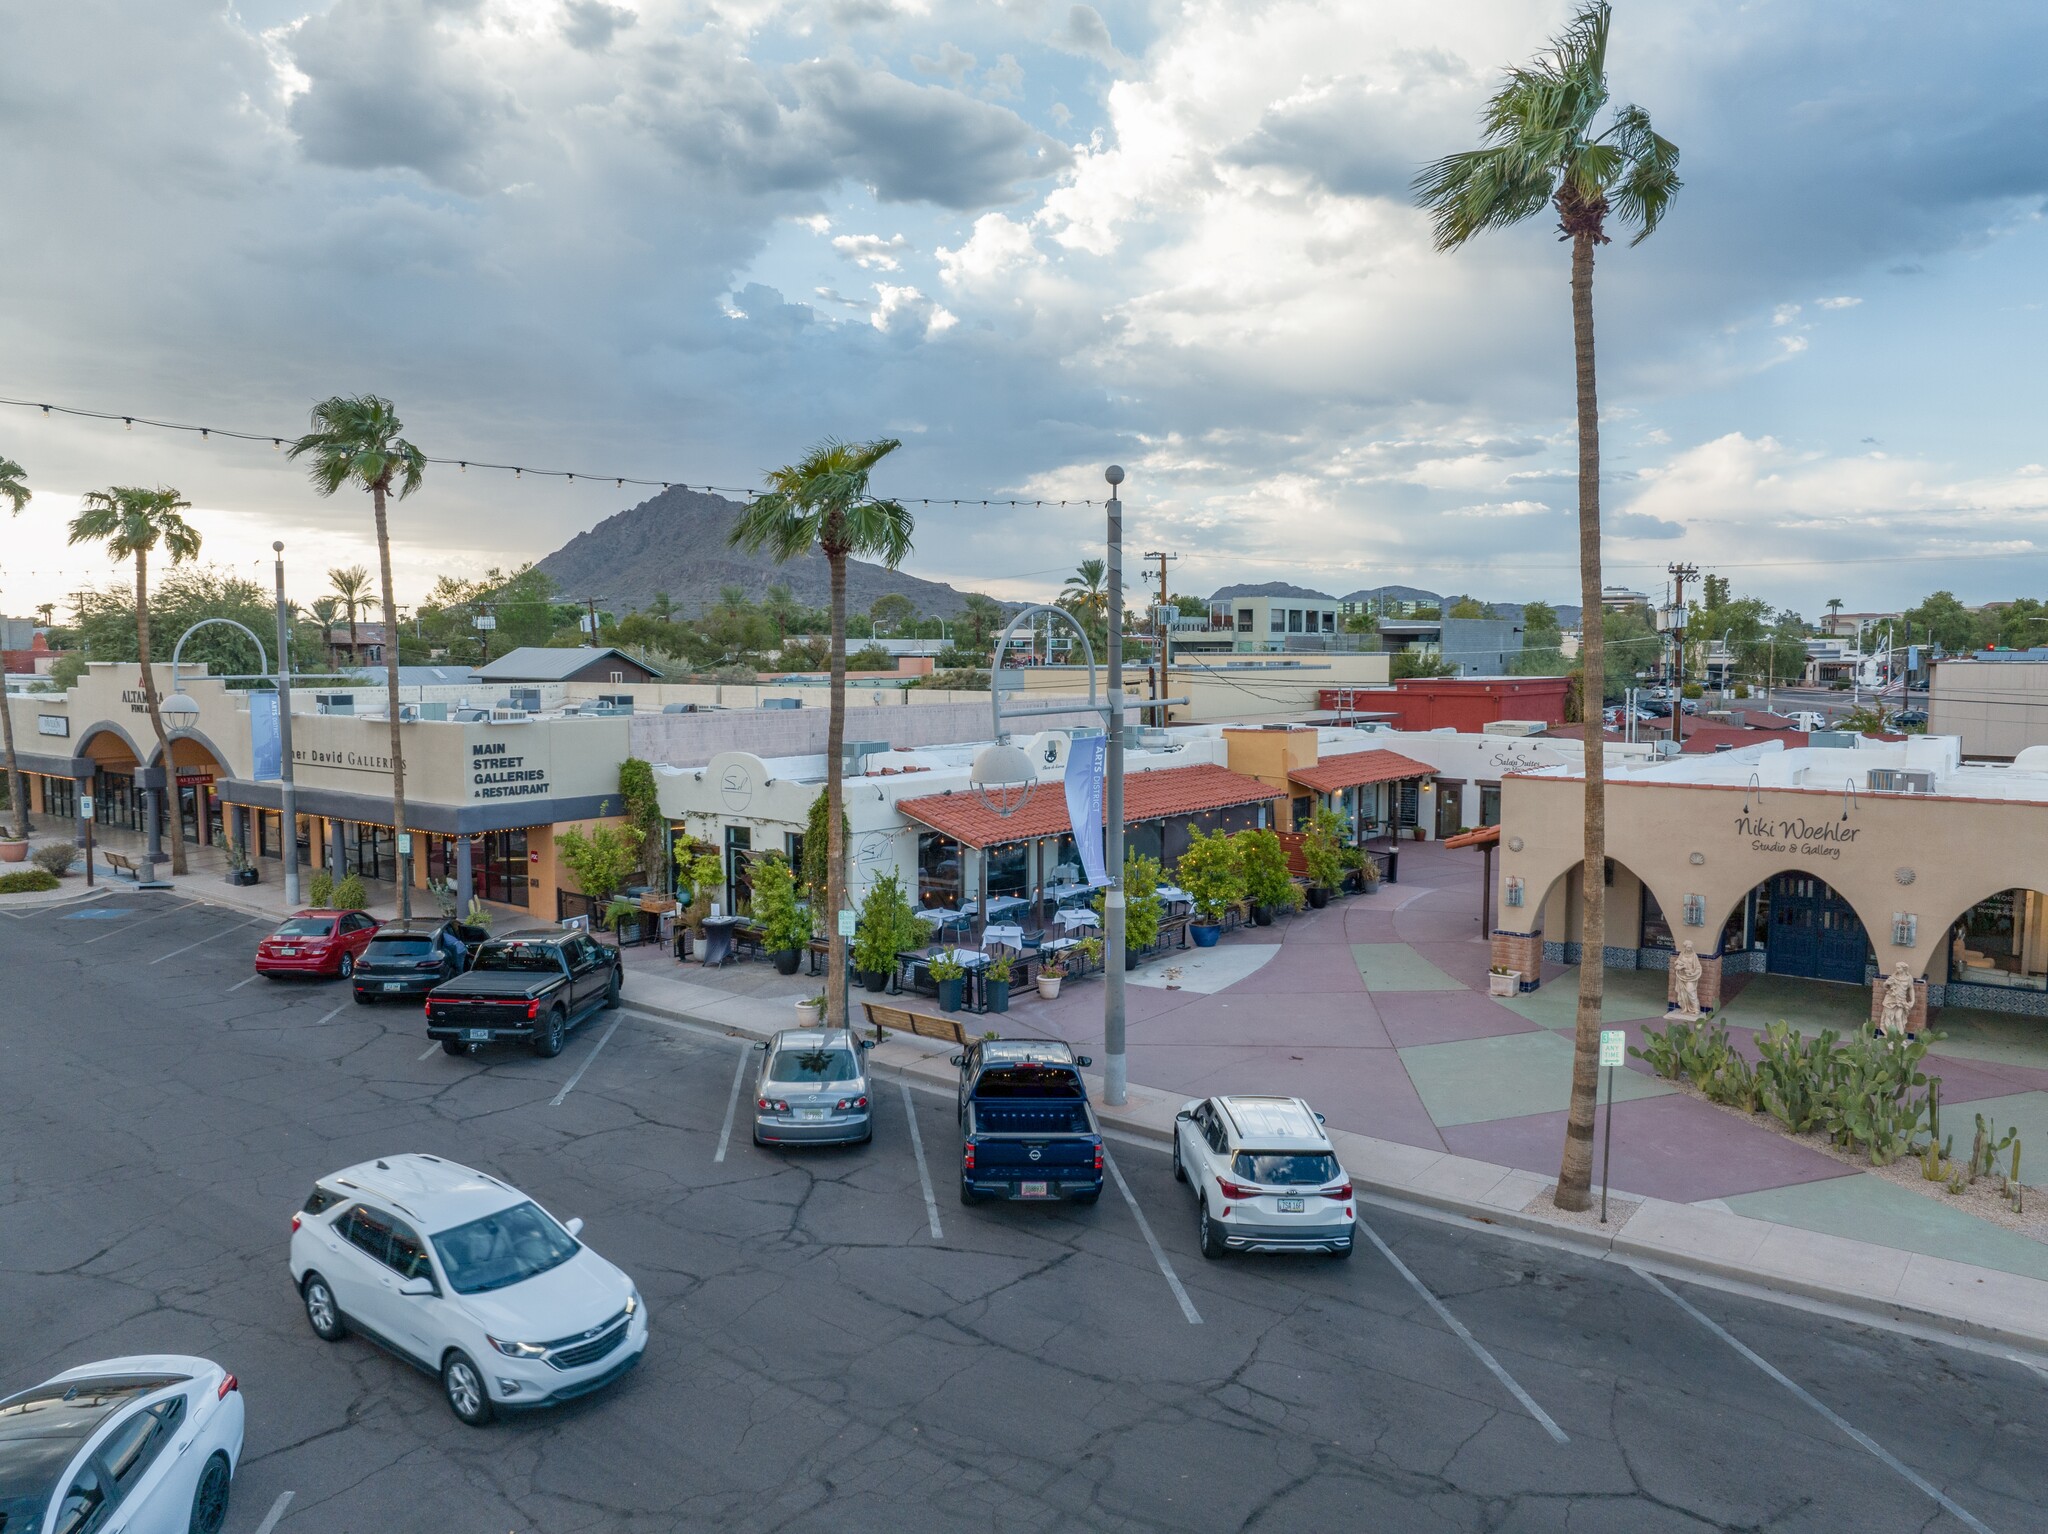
1999,708
1956,851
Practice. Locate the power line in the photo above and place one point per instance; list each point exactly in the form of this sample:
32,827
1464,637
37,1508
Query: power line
517,471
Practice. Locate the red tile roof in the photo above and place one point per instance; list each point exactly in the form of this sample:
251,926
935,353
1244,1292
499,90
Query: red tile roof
1356,768
1484,836
1155,795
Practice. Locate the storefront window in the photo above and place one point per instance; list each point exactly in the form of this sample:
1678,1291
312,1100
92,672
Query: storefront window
116,802
1656,929
938,870
2002,941
1489,804
739,888
498,864
60,798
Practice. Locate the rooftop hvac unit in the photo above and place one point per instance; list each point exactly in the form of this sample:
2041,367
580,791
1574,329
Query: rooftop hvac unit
854,754
679,708
1894,780
335,702
1835,740
510,716
527,698
782,703
1515,727
432,711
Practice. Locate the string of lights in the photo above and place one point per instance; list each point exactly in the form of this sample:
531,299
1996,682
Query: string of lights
518,471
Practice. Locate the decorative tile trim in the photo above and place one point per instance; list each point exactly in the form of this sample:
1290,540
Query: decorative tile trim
1991,998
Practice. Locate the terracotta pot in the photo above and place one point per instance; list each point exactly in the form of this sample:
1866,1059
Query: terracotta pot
13,852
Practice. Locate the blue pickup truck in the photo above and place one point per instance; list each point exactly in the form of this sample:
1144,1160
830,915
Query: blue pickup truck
1026,1130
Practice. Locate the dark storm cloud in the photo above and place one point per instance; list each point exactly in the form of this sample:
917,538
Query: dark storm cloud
591,24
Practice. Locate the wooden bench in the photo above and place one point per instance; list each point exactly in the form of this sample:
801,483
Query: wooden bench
1173,929
116,863
923,1024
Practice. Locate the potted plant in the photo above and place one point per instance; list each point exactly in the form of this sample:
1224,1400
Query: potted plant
997,982
1361,870
1049,978
1212,872
12,848
1267,883
785,925
1322,853
1502,981
810,1011
1141,906
698,874
950,975
885,928
479,916
240,870
1090,950
623,917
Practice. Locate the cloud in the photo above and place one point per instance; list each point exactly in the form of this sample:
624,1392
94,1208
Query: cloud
995,249
1837,303
1087,34
904,311
1004,79
1784,314
952,62
871,252
1493,509
591,24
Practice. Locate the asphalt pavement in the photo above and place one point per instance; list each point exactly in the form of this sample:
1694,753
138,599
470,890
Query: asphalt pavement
838,1343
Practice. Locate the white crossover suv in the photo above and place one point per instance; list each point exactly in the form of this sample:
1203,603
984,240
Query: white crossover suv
469,1279
146,1445
1265,1176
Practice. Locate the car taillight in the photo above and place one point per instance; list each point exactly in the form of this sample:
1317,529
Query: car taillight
967,1155
230,1383
426,964
532,1010
1098,1158
852,1102
1235,1190
295,1224
770,1105
1338,1193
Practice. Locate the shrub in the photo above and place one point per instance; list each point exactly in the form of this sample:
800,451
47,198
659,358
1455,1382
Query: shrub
27,881
1742,689
1693,690
320,890
871,657
55,858
784,924
1141,902
886,927
349,895
602,859
1266,880
1322,849
1212,871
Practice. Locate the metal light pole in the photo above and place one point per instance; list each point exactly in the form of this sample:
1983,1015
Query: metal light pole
288,802
1115,1066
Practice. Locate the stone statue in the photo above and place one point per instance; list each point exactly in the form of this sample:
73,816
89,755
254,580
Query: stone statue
1685,974
1897,1012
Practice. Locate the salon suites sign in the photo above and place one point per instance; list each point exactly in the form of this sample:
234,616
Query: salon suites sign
1797,835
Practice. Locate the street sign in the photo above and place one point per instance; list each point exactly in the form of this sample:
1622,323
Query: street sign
1613,1047
846,924
85,806
405,844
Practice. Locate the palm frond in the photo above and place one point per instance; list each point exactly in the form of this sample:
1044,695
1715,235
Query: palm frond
1643,191
823,498
355,440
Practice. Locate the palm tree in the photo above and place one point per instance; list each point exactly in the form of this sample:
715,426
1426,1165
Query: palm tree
132,523
822,502
351,587
355,441
1541,151
1085,590
1834,606
15,492
326,612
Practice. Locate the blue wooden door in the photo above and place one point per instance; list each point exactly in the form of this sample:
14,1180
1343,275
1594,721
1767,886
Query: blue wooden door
1815,933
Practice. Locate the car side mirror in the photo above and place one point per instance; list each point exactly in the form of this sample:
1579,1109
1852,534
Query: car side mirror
960,1060
1084,1060
1183,1117
418,1286
1321,1120
867,1043
762,1045
574,1227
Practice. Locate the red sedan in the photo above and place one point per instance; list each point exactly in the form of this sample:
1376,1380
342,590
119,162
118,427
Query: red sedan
316,943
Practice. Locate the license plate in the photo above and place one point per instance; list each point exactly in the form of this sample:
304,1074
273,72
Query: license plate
393,985
287,953
810,1115
476,1035
1291,1206
1032,1189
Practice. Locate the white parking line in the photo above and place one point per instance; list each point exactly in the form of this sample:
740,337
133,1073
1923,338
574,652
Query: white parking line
237,927
431,1048
123,931
924,1176
1458,1327
732,1103
284,1500
240,983
556,1100
330,1017
1187,1306
1803,1394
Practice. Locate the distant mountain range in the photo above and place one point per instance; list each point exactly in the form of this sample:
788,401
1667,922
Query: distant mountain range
676,542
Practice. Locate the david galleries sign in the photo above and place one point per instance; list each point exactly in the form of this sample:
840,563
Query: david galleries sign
1795,834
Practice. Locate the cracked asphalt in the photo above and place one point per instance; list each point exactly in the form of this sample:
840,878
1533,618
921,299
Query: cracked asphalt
819,1361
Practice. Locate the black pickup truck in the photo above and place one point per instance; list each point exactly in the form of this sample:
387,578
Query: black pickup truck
532,986
1026,1130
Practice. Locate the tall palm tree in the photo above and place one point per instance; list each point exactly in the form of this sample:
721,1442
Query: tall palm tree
326,612
1086,589
355,441
822,502
1541,150
351,587
15,492
133,523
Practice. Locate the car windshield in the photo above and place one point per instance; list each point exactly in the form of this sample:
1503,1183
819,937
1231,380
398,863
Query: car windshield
307,926
1028,1080
505,1248
1283,1169
42,1429
533,958
399,947
813,1065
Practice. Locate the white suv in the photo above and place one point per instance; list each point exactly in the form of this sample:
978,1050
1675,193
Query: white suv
469,1279
1265,1176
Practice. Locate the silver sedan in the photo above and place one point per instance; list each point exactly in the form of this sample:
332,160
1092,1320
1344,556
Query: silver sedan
813,1089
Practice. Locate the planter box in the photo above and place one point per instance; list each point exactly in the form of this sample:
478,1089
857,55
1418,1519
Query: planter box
998,995
950,994
809,1014
1509,984
243,876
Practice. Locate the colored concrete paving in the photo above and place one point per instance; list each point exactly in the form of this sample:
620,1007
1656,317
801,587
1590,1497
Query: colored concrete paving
1865,1207
1473,1081
1399,967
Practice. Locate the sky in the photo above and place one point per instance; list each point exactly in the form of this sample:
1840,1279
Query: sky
685,239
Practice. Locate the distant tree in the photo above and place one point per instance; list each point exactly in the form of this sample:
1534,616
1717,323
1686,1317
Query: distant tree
893,611
1412,663
981,619
1470,607
1361,623
1834,606
1946,622
1191,607
15,492
351,587
1087,589
1715,588
871,658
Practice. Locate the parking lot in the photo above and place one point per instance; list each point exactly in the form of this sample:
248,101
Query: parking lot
838,1343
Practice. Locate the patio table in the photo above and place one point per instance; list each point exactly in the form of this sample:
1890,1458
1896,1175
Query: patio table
718,939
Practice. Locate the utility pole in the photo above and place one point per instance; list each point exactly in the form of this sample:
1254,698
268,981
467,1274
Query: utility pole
1115,1062
287,793
1680,574
591,602
1165,643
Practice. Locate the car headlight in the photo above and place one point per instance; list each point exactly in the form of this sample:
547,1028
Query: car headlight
632,1304
518,1349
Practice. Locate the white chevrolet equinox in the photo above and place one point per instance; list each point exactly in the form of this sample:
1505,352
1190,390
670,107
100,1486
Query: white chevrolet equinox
469,1279
1265,1177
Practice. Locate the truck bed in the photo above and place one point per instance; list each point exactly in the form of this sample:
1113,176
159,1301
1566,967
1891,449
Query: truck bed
1030,1118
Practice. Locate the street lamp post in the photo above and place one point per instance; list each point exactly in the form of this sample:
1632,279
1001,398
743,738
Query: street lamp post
1115,1065
287,794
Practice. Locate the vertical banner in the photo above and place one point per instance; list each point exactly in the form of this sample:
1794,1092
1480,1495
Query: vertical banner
266,745
1085,761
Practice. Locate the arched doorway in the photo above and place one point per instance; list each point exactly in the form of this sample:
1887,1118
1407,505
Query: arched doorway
1810,931
2000,943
